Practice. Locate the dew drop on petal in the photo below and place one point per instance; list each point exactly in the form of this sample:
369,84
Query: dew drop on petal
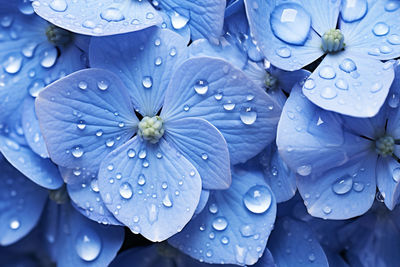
112,14
380,29
257,199
178,21
147,82
77,152
201,87
396,174
59,5
327,72
88,245
14,224
125,190
220,223
304,170
248,115
353,10
343,185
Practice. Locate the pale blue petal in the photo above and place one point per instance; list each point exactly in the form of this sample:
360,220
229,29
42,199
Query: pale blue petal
350,84
387,179
213,89
145,61
205,147
151,188
98,18
232,228
205,194
84,116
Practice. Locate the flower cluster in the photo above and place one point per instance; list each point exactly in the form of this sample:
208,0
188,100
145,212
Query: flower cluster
192,124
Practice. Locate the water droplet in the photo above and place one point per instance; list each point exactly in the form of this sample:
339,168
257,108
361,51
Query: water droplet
153,213
327,210
167,202
172,53
380,29
343,185
353,10
141,179
376,87
204,156
311,257
220,223
384,49
394,39
81,125
88,245
201,87
304,170
110,142
102,85
28,49
158,61
35,87
125,190
178,21
186,108
213,208
131,153
94,185
49,58
14,224
283,52
82,85
229,106
327,72
342,84
247,115
396,174
112,14
246,230
348,65
391,6
13,64
59,5
358,186
99,133
25,7
257,199
309,84
147,82
77,152
225,240
290,23
142,154
328,93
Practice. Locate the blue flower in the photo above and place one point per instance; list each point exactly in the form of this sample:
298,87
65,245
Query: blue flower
351,79
197,19
339,159
149,170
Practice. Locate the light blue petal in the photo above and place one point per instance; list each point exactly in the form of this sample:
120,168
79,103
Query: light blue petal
216,91
31,128
204,17
205,194
342,192
167,24
349,83
41,171
281,54
21,203
287,79
84,116
145,61
205,147
293,243
77,241
233,6
152,189
85,195
277,174
312,140
387,179
324,14
234,226
377,34
98,18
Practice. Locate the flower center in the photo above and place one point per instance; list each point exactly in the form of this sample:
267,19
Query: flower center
151,129
333,41
58,36
384,146
271,83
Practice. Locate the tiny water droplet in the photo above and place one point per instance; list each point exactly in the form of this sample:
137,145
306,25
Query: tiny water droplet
125,190
77,152
304,170
131,153
141,179
102,85
147,82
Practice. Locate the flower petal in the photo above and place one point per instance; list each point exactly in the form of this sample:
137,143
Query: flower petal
388,179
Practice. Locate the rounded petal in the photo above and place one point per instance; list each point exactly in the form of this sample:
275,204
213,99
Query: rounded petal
98,18
21,204
387,179
281,54
234,226
205,147
144,61
84,116
152,189
350,84
216,91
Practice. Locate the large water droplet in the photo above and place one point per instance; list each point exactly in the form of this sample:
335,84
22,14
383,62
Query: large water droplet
35,87
396,174
77,152
28,49
290,23
392,5
353,10
343,185
59,5
125,190
112,14
88,245
327,72
201,87
283,52
49,58
131,153
380,29
220,223
13,64
167,201
394,39
328,93
102,85
304,170
178,21
342,84
258,199
348,65
141,179
248,115
147,82
25,7
309,84
229,106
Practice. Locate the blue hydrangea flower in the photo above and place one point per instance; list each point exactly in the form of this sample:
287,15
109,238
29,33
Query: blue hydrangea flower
339,159
351,79
199,19
211,116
